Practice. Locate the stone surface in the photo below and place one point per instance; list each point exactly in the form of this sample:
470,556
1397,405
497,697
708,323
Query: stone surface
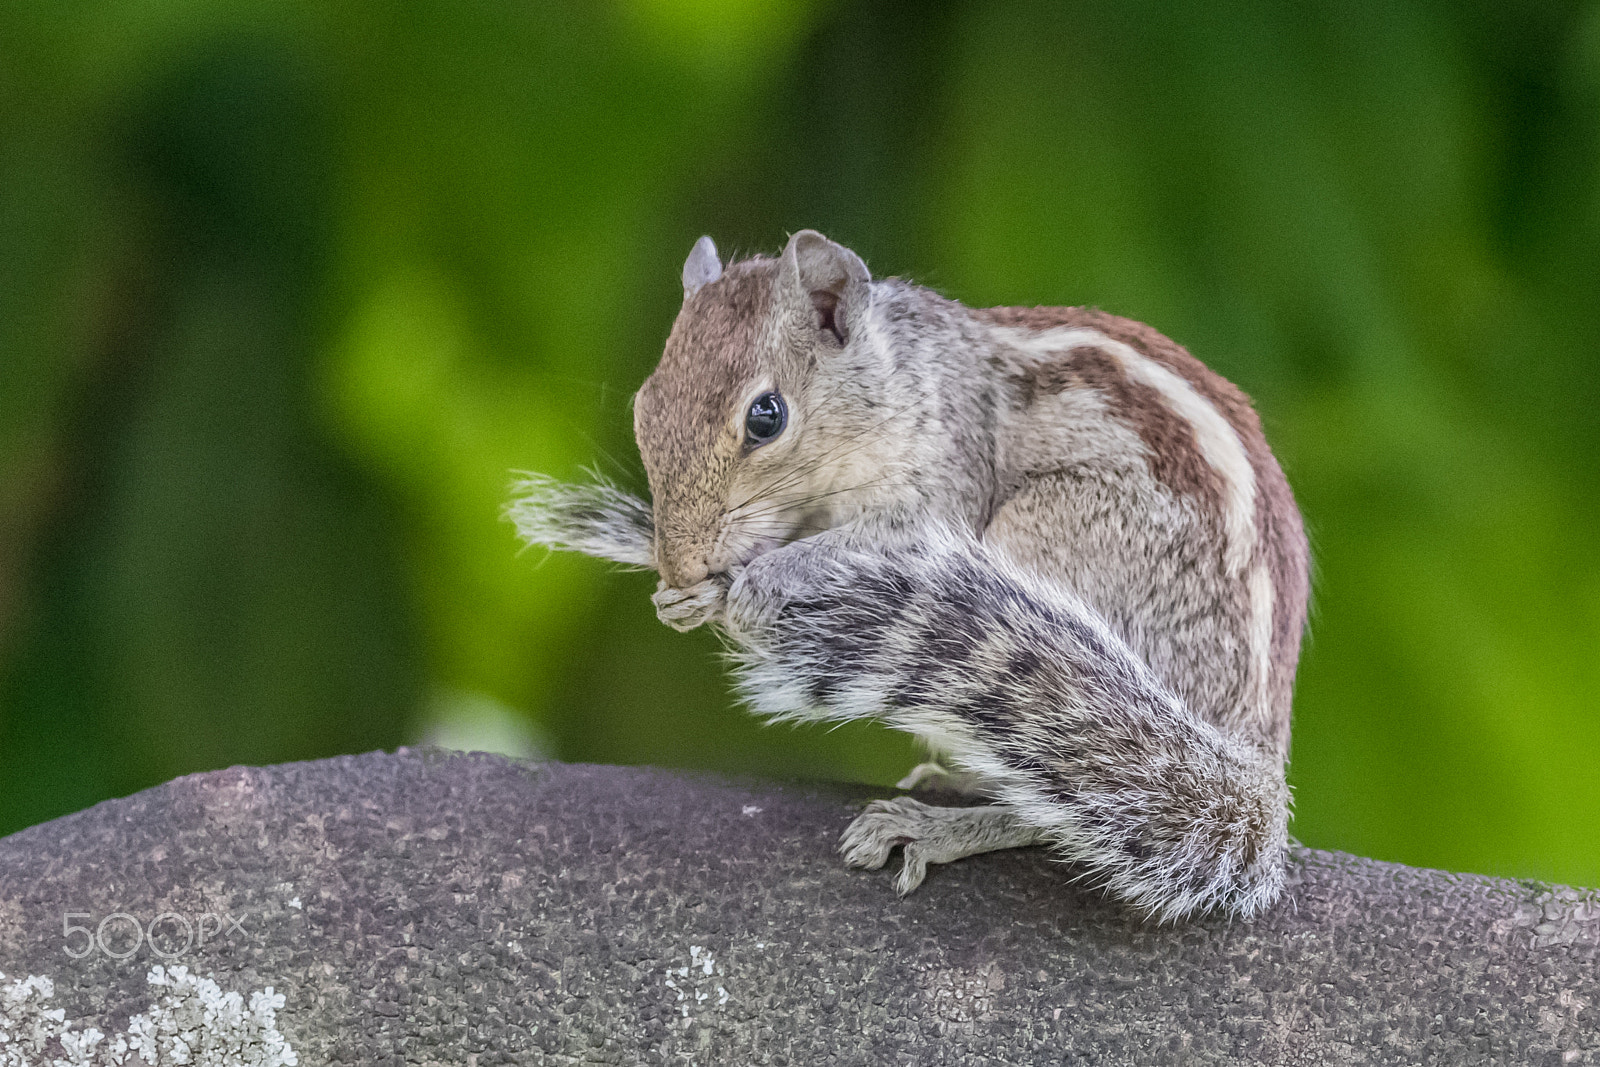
426,907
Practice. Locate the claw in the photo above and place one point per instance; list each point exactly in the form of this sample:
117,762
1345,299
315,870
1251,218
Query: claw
868,840
913,869
881,828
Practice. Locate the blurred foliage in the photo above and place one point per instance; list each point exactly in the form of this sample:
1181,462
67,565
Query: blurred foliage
288,289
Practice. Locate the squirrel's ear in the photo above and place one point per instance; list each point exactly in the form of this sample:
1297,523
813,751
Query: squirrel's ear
831,276
701,268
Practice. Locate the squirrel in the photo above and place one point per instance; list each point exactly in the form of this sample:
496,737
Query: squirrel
1048,542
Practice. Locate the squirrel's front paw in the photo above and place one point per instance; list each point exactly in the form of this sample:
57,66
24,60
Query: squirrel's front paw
684,609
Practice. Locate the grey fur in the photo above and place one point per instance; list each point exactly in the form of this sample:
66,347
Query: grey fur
1048,542
1022,685
595,519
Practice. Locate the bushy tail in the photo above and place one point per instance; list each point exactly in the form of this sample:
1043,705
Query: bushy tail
595,519
1026,687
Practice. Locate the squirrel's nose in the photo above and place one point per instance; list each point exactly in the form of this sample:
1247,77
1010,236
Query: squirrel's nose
682,573
683,545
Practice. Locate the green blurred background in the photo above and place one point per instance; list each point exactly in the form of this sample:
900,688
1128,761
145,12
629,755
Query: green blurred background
288,289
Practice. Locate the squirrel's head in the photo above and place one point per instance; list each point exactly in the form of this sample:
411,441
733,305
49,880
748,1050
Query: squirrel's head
740,424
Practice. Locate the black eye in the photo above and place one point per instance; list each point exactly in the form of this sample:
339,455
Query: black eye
767,417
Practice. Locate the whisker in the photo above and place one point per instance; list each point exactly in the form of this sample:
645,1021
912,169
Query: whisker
797,503
853,439
625,473
792,477
802,500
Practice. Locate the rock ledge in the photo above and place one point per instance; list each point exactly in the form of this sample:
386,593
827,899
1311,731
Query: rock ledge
430,907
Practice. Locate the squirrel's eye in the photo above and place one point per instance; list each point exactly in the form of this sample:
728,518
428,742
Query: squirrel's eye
767,417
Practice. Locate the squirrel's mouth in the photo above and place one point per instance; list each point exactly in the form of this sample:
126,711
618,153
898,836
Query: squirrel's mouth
743,539
753,531
738,553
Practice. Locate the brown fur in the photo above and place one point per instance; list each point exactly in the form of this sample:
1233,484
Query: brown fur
709,354
682,413
1174,457
1280,535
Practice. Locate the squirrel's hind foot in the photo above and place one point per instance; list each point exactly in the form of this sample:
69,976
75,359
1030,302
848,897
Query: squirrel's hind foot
929,834
935,775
